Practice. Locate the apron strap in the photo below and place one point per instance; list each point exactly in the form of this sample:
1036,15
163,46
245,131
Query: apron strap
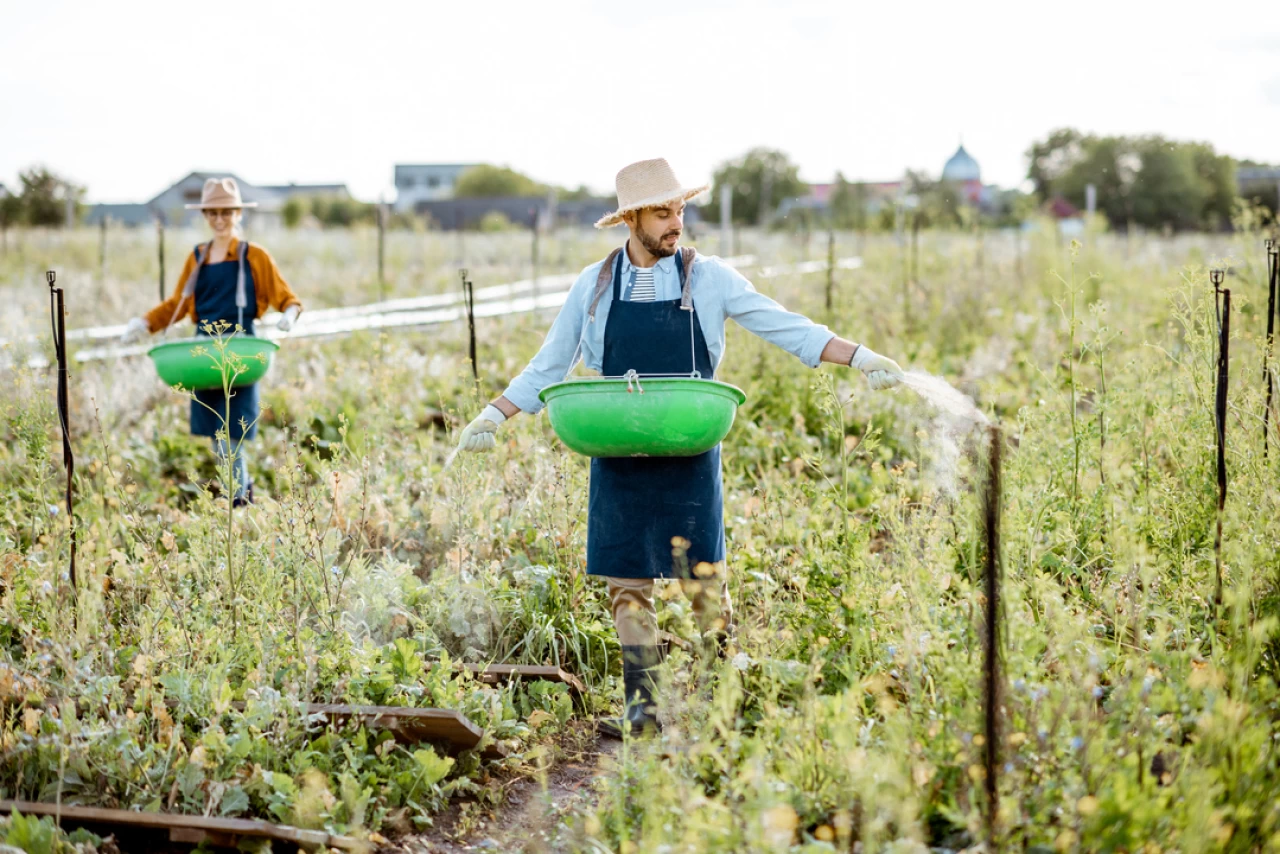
241,298
684,265
603,279
684,261
189,287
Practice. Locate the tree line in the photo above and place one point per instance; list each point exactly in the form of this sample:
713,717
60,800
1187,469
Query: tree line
40,199
1147,181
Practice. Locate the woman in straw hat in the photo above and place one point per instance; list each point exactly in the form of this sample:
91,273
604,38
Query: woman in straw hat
226,280
655,308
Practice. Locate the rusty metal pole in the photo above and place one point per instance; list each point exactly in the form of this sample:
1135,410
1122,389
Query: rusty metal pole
1273,280
382,244
991,670
1222,307
469,301
58,312
160,249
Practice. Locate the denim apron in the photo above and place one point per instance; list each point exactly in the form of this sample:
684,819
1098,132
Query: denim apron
217,299
638,505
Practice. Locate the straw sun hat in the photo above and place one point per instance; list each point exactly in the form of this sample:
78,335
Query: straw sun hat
646,184
221,193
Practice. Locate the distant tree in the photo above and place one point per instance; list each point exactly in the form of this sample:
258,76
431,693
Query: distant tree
848,204
292,212
1050,159
1267,195
495,221
760,179
44,197
581,194
1147,180
486,180
938,203
341,211
10,211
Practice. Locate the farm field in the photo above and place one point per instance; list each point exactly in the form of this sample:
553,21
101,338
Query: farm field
1137,713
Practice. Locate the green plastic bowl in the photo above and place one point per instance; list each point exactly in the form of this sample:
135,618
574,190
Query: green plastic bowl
192,363
671,417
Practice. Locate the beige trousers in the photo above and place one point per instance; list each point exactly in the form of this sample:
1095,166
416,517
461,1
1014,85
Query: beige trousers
631,600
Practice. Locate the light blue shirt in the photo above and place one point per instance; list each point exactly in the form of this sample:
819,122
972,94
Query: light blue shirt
719,292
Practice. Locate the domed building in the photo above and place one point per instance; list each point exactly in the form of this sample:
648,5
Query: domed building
963,171
961,168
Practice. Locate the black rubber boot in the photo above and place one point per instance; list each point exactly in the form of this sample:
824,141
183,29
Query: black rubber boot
639,672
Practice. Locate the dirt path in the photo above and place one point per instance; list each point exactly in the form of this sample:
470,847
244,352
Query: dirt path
529,818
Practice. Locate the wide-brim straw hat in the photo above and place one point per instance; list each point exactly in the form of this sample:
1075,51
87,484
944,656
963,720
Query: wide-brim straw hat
221,193
647,184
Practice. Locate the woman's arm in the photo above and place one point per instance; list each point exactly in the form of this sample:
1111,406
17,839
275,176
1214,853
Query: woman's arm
162,315
271,288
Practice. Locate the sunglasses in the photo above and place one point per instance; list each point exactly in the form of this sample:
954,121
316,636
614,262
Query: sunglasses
225,213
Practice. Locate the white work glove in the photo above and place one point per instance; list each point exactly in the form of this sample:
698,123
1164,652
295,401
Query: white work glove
882,372
290,316
135,330
478,435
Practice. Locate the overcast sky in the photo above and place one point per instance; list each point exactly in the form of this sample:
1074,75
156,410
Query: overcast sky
126,97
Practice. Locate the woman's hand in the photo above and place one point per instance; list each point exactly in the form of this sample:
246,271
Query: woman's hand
882,372
135,330
290,316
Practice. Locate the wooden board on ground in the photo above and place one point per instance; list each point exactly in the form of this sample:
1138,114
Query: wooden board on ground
495,673
155,829
409,725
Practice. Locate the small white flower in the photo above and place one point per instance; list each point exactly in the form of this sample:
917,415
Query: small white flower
741,661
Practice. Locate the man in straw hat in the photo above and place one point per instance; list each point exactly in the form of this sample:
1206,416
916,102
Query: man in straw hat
652,307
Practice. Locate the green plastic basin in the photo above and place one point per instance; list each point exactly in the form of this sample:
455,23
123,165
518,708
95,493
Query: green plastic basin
193,363
659,417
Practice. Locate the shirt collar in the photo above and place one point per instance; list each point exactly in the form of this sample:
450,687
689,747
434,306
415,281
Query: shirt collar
233,248
666,265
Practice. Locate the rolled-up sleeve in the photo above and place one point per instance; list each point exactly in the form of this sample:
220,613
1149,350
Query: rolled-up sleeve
559,352
762,316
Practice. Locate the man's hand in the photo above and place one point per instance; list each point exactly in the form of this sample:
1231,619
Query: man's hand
134,331
290,316
478,435
882,372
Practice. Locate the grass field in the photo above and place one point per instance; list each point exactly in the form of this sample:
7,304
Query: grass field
1135,715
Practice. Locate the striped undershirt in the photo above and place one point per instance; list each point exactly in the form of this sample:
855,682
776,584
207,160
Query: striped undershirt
643,290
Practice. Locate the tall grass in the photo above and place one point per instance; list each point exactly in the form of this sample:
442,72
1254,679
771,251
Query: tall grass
850,708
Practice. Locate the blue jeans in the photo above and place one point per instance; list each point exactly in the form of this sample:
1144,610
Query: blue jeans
239,466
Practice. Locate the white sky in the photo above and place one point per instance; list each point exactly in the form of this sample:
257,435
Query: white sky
128,96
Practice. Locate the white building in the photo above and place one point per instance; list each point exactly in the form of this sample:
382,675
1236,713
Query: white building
425,182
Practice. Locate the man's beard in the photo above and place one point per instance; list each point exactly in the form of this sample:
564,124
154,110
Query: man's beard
655,246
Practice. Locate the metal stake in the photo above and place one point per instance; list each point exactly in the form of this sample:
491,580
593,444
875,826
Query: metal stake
160,249
1222,307
468,299
831,264
57,316
992,676
534,253
1273,280
382,240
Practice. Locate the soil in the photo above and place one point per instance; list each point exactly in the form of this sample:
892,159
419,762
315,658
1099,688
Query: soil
529,817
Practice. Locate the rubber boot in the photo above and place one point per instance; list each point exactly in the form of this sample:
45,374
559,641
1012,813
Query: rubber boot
639,674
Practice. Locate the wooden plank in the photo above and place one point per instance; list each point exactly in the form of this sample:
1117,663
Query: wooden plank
494,673
407,723
191,829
